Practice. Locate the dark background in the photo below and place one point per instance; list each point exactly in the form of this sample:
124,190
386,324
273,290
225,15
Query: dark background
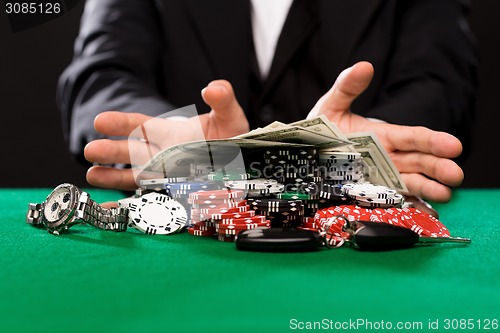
32,147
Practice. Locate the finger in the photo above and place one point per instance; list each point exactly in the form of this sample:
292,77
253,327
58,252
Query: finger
443,170
348,86
106,177
109,204
106,151
219,95
114,123
422,139
227,118
426,188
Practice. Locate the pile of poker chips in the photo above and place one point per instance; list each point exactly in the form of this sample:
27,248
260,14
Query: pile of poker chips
256,188
411,218
372,196
281,213
340,167
222,213
292,166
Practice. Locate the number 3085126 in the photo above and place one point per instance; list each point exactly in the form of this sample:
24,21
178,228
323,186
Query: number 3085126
32,8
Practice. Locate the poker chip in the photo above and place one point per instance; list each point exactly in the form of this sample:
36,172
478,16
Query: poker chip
366,190
244,220
223,176
215,211
152,184
237,215
226,238
216,194
294,196
337,155
275,205
201,233
220,228
215,202
252,184
426,225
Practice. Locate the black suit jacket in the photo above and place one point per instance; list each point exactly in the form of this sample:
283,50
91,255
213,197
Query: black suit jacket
152,56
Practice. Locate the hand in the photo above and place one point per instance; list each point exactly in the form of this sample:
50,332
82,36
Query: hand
422,156
226,119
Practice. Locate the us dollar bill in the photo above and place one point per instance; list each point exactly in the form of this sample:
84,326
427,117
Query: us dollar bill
297,134
379,168
323,126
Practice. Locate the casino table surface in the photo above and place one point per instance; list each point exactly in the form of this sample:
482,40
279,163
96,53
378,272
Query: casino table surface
89,280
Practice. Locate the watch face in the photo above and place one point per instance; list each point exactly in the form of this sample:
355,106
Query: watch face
157,214
58,204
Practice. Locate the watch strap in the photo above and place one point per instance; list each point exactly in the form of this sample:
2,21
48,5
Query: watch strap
88,210
34,214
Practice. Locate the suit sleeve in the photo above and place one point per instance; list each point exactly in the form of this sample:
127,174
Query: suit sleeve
431,77
114,67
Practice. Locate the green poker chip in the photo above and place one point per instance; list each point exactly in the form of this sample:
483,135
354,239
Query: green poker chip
294,196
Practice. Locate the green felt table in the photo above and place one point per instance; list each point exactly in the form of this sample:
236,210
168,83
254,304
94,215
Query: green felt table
89,280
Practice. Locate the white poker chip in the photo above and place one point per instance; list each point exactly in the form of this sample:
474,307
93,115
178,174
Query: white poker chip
365,190
157,214
394,200
253,184
158,183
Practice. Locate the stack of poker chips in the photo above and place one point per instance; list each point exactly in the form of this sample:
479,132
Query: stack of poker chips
256,188
280,212
158,184
315,196
291,167
340,167
411,218
372,196
181,192
222,213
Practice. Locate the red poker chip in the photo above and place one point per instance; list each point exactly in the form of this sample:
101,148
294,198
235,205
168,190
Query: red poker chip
204,224
207,202
396,216
216,194
201,233
428,225
238,215
247,226
310,226
308,219
307,228
252,219
236,231
204,212
334,241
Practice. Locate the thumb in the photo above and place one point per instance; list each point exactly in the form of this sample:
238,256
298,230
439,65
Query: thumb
227,118
348,86
219,95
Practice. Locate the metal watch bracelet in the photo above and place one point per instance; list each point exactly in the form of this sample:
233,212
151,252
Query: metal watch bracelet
115,219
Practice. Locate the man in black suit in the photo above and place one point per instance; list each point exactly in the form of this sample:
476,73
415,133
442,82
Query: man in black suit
145,58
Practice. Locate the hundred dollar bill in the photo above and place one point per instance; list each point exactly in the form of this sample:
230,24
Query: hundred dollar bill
300,135
379,167
175,161
323,126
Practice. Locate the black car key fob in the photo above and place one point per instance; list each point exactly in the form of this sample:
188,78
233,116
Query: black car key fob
278,240
376,236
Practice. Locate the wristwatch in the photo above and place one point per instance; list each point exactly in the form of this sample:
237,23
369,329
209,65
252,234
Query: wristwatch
155,214
67,205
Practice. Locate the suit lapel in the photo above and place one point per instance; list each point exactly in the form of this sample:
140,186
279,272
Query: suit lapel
224,29
340,18
339,34
300,24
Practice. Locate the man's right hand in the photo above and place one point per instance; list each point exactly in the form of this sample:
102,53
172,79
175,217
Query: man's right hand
225,120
